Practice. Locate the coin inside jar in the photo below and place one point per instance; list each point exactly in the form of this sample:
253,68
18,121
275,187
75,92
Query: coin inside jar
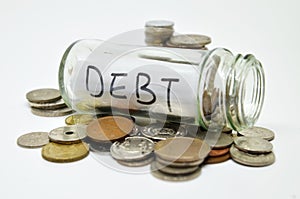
182,149
44,95
109,128
68,134
79,119
133,148
253,144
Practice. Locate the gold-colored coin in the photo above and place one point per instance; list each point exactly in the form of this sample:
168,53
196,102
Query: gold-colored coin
79,119
54,152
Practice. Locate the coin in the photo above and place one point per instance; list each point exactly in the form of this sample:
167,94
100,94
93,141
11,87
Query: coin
102,147
55,152
261,132
160,23
109,128
133,148
175,170
68,134
253,144
216,140
33,140
189,41
218,152
181,149
79,119
50,105
51,113
179,164
162,131
178,178
218,159
248,159
139,163
43,95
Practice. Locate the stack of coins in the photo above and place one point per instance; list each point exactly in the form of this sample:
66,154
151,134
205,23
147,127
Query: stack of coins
190,41
178,158
47,102
134,151
102,132
253,148
157,32
66,144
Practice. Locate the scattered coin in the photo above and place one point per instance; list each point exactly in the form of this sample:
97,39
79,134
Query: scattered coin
248,159
50,105
139,163
218,152
189,41
253,144
68,134
179,164
182,149
79,119
217,159
55,152
133,148
261,132
109,128
33,140
175,170
178,178
51,113
44,95
162,131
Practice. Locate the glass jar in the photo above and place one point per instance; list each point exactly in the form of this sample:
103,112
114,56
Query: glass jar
199,87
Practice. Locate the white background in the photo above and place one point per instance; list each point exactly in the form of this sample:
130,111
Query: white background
33,37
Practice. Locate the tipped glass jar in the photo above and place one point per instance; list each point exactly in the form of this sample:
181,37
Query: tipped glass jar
199,87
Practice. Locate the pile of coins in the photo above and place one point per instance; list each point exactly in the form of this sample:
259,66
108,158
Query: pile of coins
160,33
47,102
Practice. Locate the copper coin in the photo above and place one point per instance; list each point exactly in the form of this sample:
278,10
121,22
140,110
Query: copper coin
109,128
218,159
218,152
181,149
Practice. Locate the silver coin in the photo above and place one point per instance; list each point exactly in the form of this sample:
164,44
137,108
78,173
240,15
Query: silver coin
52,113
43,95
255,160
33,140
169,44
50,105
170,177
160,131
190,40
175,170
68,134
160,23
261,132
133,148
179,164
253,144
216,140
139,163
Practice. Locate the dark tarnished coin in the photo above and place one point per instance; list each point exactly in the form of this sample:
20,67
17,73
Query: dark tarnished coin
161,131
109,128
51,113
79,119
68,134
182,149
55,152
218,152
179,164
189,41
139,163
50,105
254,160
43,95
253,144
217,159
133,148
261,132
177,178
175,170
33,140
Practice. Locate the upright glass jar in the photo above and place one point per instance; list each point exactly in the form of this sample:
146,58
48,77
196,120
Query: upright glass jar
199,87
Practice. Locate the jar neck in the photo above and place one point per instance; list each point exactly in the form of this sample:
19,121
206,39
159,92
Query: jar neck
235,85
